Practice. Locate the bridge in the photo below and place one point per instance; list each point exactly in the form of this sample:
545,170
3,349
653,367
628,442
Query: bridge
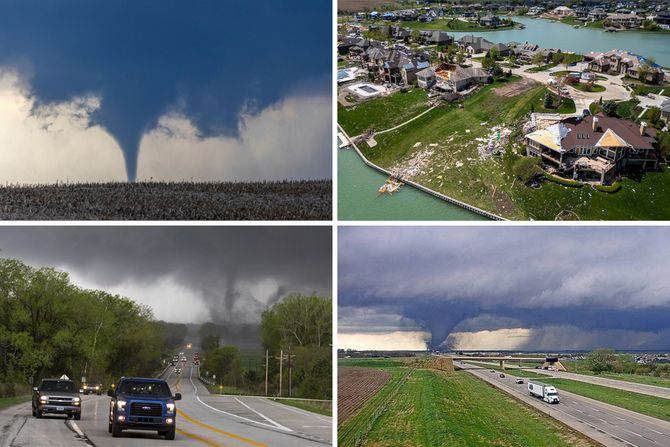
546,362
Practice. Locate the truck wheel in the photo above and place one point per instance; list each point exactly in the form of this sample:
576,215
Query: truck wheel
77,416
109,426
116,430
33,408
169,435
38,413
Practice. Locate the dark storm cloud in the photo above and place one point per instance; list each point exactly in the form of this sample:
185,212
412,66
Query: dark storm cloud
449,279
235,271
209,59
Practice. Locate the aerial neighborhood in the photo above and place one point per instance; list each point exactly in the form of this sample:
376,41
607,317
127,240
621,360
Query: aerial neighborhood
431,97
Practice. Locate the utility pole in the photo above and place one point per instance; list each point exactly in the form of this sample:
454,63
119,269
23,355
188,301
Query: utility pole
266,371
281,361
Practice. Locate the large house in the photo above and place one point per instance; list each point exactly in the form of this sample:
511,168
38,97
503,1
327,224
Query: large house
474,45
625,20
665,111
563,11
623,62
426,78
594,148
452,77
526,52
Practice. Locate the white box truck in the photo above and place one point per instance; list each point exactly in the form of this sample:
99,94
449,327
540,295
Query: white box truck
545,392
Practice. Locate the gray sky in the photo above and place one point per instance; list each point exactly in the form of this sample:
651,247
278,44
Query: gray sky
505,287
186,274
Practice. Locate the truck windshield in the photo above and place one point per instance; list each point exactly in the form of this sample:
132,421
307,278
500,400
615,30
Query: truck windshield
552,394
155,389
58,386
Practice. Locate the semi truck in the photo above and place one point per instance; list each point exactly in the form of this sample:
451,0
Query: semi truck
547,393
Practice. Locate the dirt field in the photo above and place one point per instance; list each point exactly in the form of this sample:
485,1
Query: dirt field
360,5
355,386
515,88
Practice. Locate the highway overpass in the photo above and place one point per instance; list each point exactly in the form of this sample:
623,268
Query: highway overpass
546,362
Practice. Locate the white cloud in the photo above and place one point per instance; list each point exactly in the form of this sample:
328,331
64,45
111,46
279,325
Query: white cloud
53,143
288,140
389,341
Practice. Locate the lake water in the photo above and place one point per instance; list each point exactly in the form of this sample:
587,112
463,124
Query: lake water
358,198
549,34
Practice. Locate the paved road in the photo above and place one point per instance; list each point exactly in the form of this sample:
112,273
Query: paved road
203,420
607,424
651,390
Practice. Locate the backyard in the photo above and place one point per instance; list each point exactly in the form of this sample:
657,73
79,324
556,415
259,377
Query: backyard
449,135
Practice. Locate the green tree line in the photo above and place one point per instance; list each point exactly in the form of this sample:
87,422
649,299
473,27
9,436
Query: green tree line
50,327
300,327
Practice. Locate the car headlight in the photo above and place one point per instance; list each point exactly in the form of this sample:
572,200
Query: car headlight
76,400
170,407
121,404
44,399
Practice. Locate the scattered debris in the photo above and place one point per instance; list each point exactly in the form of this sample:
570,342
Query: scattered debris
494,143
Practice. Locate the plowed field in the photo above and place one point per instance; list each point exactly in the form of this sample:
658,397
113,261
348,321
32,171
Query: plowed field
355,386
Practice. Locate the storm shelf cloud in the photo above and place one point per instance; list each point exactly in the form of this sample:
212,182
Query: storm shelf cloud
205,90
530,288
227,275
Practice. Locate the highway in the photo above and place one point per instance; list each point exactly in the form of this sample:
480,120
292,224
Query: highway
607,424
203,420
651,390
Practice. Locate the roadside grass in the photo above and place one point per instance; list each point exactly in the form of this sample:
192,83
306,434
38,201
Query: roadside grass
433,408
382,113
323,408
9,401
370,363
657,407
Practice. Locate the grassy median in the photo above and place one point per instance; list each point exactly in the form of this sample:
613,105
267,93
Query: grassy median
657,407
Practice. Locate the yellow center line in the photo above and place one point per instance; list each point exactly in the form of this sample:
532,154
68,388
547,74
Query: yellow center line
199,438
209,427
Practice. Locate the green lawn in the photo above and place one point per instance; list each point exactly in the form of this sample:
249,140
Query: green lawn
657,407
9,401
382,113
584,87
456,170
324,408
573,21
436,409
449,24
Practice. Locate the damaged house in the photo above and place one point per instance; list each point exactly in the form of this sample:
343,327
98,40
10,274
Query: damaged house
594,148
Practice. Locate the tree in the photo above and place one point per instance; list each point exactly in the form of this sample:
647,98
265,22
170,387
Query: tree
601,360
548,101
460,57
538,59
488,63
653,115
557,58
664,144
497,71
224,361
527,168
494,53
416,36
610,108
512,59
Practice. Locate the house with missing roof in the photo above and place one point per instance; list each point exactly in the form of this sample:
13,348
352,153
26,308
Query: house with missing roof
594,148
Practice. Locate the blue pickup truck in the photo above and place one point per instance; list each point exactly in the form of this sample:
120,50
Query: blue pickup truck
142,404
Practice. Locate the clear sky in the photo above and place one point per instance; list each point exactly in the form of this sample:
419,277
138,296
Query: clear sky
512,288
203,89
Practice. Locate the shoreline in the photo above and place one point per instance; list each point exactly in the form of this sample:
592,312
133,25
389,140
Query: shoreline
439,195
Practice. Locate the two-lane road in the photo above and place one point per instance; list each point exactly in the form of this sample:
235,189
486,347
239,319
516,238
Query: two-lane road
203,420
607,424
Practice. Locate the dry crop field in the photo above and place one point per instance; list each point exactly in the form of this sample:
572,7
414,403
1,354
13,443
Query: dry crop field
355,386
283,200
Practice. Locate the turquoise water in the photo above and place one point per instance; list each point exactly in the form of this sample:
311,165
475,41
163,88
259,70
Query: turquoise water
358,198
551,34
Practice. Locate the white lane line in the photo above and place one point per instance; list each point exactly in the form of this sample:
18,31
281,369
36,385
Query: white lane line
296,410
195,390
276,424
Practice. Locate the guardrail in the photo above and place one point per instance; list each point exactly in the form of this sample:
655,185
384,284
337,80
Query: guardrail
436,194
